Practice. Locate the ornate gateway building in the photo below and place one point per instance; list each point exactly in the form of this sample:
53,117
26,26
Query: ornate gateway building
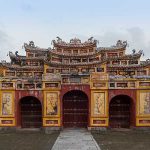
75,84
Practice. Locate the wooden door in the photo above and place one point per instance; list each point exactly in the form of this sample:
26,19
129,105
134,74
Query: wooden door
75,109
119,112
31,113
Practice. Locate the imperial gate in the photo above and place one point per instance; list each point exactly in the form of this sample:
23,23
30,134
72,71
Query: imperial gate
78,84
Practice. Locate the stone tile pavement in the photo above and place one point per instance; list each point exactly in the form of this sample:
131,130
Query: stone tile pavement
75,139
27,140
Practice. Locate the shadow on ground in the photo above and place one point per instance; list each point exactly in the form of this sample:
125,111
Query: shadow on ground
27,141
123,140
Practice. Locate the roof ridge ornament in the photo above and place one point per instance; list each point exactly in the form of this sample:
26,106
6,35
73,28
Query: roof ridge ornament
90,39
14,59
59,40
31,44
121,43
75,41
133,51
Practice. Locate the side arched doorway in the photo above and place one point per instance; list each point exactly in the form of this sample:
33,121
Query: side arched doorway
75,109
31,112
120,112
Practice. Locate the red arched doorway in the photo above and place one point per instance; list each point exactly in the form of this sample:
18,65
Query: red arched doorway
120,112
75,109
31,112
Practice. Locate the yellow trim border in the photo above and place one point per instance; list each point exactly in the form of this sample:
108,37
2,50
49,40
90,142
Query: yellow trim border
99,120
7,119
51,120
143,120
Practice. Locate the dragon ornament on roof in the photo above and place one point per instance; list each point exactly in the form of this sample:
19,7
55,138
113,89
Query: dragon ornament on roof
14,57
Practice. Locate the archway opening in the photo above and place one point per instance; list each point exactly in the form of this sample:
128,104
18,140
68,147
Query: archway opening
75,109
120,112
31,112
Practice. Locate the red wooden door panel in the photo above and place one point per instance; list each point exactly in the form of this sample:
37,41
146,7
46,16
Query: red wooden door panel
31,113
75,109
119,112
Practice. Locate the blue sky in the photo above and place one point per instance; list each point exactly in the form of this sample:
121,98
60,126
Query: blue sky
43,20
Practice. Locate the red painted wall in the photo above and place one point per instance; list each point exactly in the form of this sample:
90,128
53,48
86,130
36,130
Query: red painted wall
128,92
19,94
67,88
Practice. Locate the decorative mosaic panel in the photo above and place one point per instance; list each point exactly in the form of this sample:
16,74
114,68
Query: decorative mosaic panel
52,103
98,103
7,104
144,103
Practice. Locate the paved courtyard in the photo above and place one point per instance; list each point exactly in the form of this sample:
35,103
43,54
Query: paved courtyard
74,139
27,141
123,140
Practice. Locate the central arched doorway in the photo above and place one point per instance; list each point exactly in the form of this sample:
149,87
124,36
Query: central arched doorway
120,111
75,109
31,112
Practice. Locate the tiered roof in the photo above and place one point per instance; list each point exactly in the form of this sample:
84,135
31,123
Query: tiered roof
120,45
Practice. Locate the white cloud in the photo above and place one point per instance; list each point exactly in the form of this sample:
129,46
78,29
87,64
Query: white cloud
5,45
139,40
135,36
